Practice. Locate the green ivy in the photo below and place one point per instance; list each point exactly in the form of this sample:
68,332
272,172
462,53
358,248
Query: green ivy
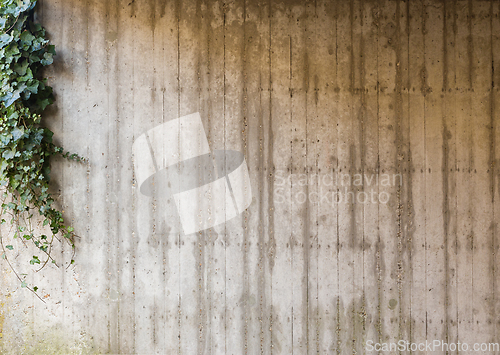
25,145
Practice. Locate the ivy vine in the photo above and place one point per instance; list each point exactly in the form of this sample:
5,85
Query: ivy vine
26,146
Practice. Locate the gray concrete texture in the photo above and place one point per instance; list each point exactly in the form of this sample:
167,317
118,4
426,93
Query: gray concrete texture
390,103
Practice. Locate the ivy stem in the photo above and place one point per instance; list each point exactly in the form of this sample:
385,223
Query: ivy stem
11,27
14,270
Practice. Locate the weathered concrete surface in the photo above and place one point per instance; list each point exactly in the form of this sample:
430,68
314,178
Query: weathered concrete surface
316,94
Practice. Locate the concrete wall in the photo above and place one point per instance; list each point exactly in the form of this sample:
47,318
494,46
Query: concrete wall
305,89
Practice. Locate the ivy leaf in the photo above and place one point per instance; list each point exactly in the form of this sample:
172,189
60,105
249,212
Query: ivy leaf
10,97
9,154
37,138
34,58
51,49
20,68
10,247
11,51
27,37
43,104
5,138
22,6
5,39
33,87
35,260
47,59
17,133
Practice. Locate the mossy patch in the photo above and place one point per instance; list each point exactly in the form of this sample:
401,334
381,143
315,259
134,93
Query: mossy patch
54,341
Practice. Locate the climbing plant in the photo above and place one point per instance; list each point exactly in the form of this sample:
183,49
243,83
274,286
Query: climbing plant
26,146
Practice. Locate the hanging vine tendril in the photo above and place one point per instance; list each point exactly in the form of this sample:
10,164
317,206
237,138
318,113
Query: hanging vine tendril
25,145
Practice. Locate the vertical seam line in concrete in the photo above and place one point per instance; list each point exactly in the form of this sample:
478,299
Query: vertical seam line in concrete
271,181
362,74
108,189
117,144
179,308
211,230
352,166
410,183
424,9
445,172
318,210
456,168
246,212
337,330
399,138
378,249
224,10
199,258
164,244
260,169
153,320
89,165
492,168
134,242
470,52
290,89
305,244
